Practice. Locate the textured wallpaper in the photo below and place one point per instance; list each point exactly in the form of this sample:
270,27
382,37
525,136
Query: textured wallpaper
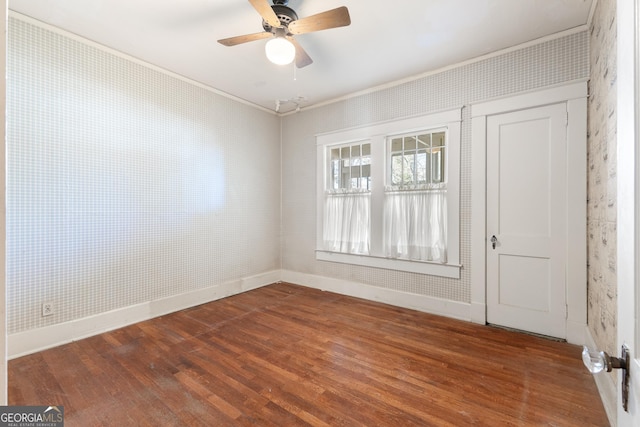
550,63
127,184
602,192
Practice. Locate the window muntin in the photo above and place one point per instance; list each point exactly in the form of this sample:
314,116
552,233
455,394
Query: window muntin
418,159
350,167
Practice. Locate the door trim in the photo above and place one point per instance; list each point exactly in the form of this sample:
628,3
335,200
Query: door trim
575,96
628,201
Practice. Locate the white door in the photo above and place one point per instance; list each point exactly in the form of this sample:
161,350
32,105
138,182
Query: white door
526,220
628,219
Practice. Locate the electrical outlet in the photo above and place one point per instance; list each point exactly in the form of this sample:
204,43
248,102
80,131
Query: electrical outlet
47,309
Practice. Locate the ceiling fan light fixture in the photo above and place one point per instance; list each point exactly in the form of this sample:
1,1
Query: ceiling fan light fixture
280,51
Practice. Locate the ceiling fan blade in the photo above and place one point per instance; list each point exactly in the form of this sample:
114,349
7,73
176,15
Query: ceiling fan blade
302,58
333,18
232,41
264,9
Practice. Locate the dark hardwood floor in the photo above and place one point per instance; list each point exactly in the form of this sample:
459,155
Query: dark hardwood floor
286,355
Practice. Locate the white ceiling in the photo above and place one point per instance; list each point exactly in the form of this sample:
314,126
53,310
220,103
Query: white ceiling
387,41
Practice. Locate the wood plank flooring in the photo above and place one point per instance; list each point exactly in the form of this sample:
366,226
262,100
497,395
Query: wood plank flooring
286,355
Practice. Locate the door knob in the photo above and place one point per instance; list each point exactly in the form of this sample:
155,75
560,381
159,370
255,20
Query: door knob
598,361
494,240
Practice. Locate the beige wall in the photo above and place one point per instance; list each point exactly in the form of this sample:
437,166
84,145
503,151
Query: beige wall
602,167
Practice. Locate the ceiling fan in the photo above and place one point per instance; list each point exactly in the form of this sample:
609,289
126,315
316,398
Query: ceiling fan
281,23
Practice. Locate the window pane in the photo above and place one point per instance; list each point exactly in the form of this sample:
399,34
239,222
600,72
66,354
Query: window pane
365,177
410,143
366,149
355,171
396,145
437,165
421,167
396,169
335,174
344,178
438,139
366,171
424,141
409,167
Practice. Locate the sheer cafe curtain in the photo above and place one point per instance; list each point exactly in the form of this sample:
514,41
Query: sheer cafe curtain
347,221
416,224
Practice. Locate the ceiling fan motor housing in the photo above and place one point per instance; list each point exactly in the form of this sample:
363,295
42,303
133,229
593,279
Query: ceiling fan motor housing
285,14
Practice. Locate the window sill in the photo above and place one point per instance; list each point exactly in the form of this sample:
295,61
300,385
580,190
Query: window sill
421,267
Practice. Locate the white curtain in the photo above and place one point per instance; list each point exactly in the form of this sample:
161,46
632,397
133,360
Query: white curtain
416,225
347,222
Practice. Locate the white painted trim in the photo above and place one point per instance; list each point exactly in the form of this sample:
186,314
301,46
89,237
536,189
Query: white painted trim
628,200
479,219
407,124
604,382
453,193
34,340
445,270
574,95
530,99
438,306
575,332
576,207
478,313
376,134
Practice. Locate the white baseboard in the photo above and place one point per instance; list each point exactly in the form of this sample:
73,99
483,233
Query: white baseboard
23,343
27,342
576,333
606,386
442,307
478,313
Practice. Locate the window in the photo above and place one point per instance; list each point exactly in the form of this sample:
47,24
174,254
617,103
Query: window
347,202
388,195
415,202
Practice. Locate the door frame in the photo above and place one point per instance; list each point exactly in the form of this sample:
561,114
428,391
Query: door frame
628,202
575,96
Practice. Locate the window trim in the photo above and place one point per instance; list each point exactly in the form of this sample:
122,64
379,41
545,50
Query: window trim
377,134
